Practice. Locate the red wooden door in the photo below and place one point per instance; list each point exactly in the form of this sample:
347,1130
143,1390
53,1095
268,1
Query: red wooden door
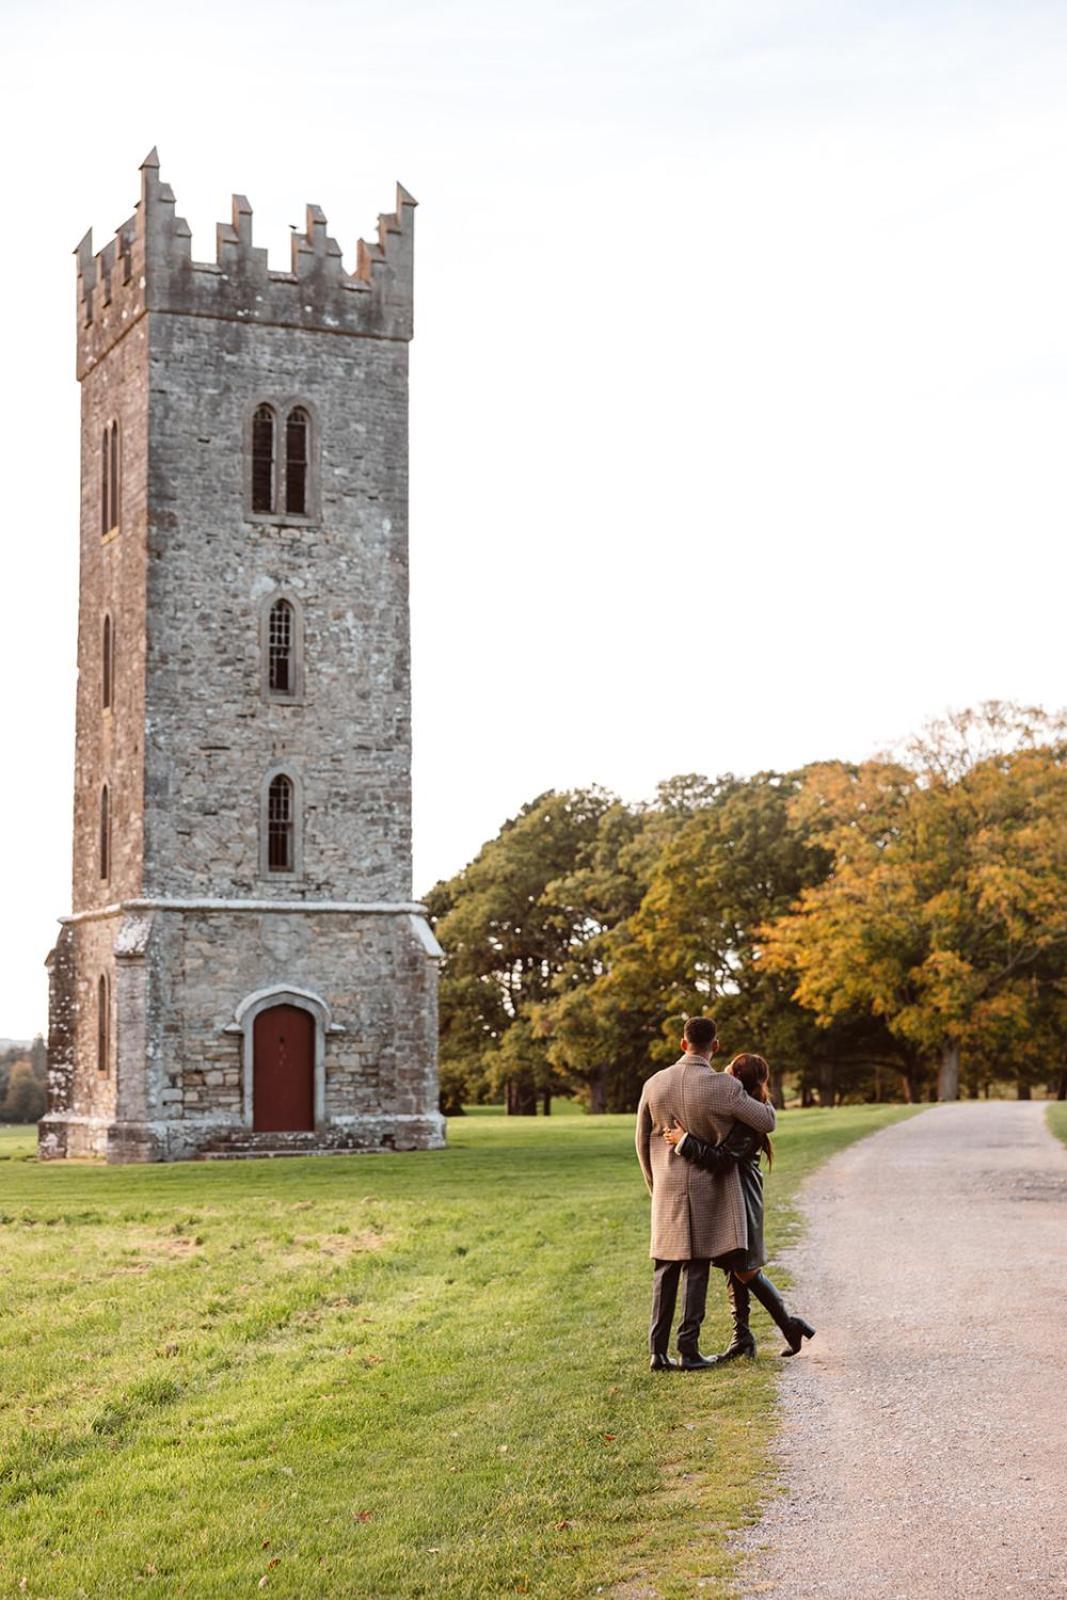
283,1070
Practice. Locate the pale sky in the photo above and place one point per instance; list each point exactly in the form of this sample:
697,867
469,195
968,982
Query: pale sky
739,381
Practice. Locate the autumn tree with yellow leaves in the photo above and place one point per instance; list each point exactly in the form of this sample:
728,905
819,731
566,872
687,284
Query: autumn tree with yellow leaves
944,914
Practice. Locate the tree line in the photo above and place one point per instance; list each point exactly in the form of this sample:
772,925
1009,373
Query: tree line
895,928
23,1082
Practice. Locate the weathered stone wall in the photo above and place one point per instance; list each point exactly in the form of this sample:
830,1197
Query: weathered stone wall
81,1102
62,1011
213,734
109,749
370,970
110,743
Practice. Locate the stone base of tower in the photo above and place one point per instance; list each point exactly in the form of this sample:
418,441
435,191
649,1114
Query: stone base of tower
242,1029
129,1143
75,1138
119,1143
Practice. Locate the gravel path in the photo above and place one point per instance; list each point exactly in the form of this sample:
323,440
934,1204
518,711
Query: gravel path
925,1434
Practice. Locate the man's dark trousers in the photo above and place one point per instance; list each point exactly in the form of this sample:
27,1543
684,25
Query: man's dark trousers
665,1278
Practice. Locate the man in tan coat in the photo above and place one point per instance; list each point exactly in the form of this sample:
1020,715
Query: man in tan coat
695,1214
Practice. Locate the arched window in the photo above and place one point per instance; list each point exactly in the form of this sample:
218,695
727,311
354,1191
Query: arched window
109,478
281,649
280,824
296,461
107,665
103,1024
105,833
263,459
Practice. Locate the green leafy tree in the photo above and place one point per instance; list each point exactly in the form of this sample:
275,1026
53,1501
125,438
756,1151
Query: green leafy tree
39,1059
605,1024
24,1100
507,934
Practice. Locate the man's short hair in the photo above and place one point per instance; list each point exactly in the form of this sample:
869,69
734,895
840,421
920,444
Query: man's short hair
700,1032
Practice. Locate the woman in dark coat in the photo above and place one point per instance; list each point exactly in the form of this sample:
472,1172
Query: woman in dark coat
742,1147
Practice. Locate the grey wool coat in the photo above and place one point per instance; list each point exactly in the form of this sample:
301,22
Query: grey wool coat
695,1214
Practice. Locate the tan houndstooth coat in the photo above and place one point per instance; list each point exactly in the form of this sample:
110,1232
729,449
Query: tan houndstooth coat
694,1214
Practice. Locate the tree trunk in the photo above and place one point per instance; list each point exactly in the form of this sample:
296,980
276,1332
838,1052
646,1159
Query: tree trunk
598,1094
546,1102
948,1073
907,1088
520,1098
807,1096
1022,1090
826,1083
523,1099
1061,1086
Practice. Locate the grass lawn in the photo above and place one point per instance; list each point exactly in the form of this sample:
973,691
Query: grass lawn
378,1377
1057,1118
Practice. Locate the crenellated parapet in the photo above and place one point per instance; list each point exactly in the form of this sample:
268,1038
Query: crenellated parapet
148,266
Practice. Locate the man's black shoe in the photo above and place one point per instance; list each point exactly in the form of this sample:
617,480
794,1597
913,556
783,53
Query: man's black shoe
693,1361
662,1363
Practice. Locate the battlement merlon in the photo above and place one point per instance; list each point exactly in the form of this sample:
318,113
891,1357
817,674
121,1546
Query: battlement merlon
148,266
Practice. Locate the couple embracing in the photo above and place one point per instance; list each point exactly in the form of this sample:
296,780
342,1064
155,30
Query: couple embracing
700,1136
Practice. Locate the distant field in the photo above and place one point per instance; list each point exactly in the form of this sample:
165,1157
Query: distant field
1057,1118
17,1142
560,1108
376,1378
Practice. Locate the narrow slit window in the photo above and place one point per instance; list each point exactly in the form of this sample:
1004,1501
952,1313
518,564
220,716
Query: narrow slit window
107,675
114,497
280,646
263,459
280,824
103,1025
296,461
105,482
105,833
109,478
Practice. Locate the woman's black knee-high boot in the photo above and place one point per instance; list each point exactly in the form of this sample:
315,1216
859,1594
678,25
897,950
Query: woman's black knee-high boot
796,1330
742,1343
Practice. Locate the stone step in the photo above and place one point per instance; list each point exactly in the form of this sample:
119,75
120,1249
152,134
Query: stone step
242,1145
258,1152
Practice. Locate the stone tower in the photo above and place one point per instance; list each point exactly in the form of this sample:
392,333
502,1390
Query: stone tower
243,968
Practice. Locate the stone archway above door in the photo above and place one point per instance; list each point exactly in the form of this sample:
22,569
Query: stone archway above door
244,1019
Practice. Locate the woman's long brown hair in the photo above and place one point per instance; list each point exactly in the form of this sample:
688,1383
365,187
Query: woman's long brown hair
754,1075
